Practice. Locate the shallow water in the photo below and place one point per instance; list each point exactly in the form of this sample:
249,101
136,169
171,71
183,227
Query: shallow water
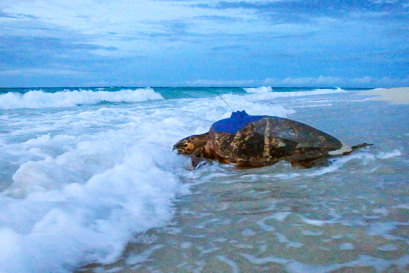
351,216
94,181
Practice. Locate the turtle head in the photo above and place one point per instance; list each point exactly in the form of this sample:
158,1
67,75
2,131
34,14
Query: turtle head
189,144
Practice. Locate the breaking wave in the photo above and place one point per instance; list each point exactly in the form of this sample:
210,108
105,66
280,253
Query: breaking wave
268,90
68,98
262,89
77,199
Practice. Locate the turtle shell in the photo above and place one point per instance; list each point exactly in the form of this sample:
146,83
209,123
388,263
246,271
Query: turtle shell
252,141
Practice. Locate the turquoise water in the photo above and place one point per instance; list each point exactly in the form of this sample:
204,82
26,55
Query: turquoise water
89,182
168,92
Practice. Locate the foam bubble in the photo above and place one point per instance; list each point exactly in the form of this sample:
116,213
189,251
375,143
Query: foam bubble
346,246
313,222
387,155
41,99
232,264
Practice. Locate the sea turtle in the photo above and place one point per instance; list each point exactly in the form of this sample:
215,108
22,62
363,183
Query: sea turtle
256,141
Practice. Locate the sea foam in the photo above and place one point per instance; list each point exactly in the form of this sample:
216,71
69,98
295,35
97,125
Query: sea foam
54,217
268,90
83,181
261,89
68,98
85,202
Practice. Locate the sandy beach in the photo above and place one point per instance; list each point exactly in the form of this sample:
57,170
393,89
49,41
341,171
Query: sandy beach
398,95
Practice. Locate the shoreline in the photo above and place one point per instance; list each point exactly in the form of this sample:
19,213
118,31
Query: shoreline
399,95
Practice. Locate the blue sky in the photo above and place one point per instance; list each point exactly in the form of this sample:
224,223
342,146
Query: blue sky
204,43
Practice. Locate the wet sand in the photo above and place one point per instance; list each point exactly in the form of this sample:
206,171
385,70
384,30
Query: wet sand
398,95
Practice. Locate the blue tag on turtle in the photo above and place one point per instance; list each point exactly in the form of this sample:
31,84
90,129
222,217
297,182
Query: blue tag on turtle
237,121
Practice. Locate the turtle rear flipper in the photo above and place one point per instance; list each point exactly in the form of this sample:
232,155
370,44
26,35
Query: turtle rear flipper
323,161
357,147
363,145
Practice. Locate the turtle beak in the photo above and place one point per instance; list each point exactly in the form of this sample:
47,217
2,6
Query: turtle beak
176,147
180,147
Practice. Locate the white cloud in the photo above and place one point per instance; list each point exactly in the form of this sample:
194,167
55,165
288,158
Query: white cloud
161,37
304,81
220,83
39,71
320,81
135,27
384,1
337,81
126,17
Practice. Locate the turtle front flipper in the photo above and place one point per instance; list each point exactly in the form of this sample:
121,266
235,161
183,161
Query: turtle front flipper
189,144
198,159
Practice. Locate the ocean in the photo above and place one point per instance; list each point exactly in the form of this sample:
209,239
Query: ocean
89,183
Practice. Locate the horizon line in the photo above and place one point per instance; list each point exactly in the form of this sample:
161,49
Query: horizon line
190,86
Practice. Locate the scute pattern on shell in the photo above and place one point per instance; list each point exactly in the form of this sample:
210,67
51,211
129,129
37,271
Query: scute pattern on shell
270,139
256,141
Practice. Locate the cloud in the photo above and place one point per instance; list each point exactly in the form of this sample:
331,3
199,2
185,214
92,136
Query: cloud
227,47
5,15
174,42
320,81
227,83
310,7
17,52
294,11
329,81
39,71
